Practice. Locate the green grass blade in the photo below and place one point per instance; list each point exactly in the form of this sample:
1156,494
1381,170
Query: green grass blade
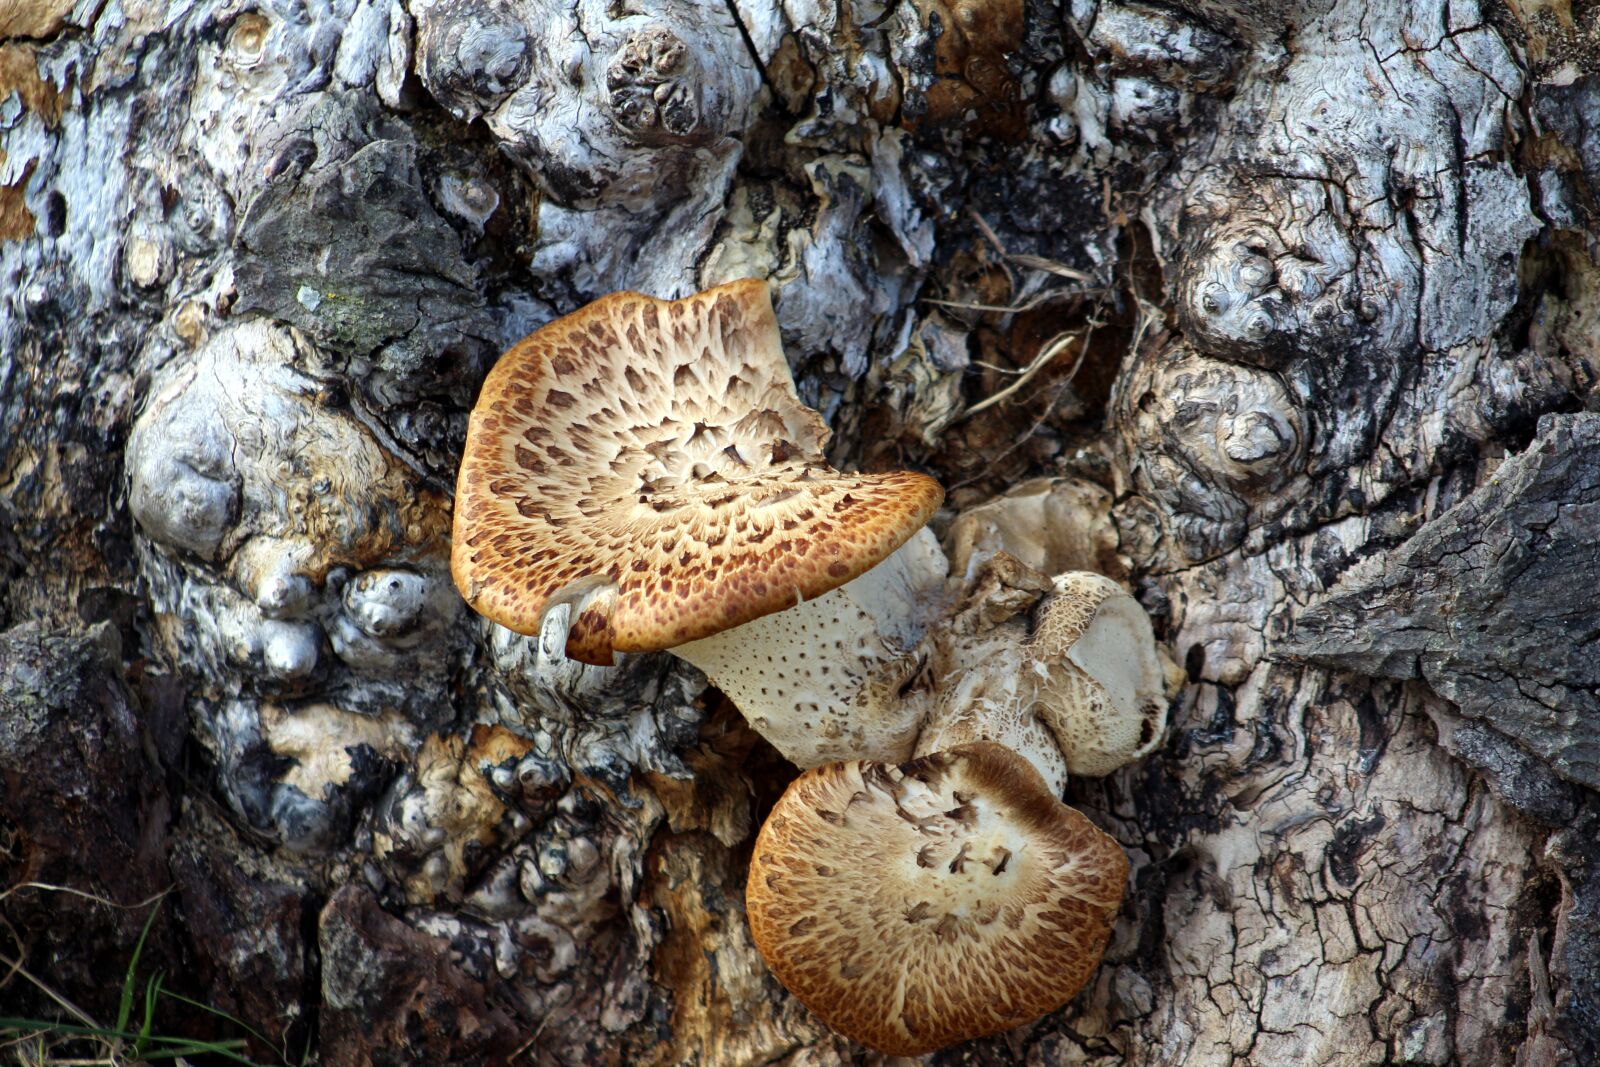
226,1017
125,1002
207,1048
170,1047
152,992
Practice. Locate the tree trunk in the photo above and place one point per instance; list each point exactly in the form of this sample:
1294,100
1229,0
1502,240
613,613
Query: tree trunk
1297,303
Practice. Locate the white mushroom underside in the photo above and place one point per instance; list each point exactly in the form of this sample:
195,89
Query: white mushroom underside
822,681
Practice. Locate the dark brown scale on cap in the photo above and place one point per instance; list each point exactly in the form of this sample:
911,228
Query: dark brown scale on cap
659,467
950,897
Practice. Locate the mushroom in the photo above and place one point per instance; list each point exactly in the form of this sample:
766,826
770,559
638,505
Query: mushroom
943,899
640,475
954,895
1052,524
1081,690
648,464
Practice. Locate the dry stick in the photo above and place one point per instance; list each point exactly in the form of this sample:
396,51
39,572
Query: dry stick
1022,259
1049,351
1051,348
11,931
533,1041
15,967
1011,279
18,1040
1060,386
1038,299
1148,315
1021,439
97,898
82,1016
1050,266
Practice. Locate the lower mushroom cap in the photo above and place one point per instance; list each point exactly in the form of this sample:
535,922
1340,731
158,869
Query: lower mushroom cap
947,898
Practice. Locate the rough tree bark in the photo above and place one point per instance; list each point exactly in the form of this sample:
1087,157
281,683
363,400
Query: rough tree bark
1299,303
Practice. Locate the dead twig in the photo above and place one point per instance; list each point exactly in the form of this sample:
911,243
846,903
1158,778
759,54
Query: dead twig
15,967
1050,266
1042,359
95,897
1039,299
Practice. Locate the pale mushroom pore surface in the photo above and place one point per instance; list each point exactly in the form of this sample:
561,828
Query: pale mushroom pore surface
655,454
825,680
943,899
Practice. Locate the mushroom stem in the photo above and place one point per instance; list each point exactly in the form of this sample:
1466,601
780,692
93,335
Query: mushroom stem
835,677
995,704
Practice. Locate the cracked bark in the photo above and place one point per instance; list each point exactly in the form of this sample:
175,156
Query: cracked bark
1318,288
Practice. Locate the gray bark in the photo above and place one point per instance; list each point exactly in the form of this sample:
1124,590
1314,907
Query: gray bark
1297,304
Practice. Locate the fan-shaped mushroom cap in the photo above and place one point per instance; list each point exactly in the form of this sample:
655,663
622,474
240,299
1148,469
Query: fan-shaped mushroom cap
650,458
950,897
1101,685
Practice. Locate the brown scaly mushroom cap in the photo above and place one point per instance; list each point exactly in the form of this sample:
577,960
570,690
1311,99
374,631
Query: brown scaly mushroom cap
649,461
918,905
